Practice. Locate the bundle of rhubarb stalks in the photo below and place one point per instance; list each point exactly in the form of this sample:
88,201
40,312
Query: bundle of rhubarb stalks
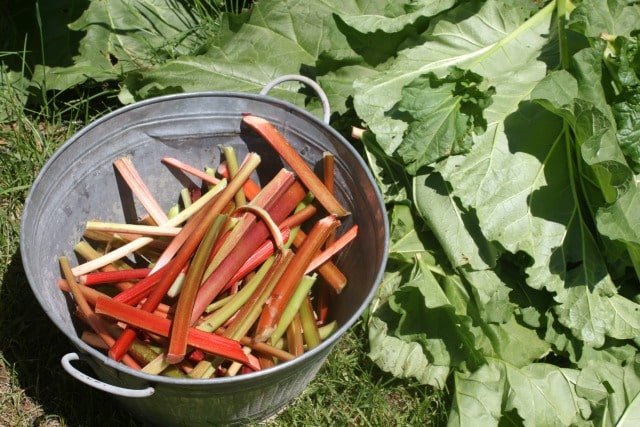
235,278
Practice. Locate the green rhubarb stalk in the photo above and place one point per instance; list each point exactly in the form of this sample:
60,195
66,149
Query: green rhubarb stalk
296,162
250,312
286,286
139,350
176,286
218,303
159,366
182,316
232,164
309,325
143,230
327,330
151,250
299,294
204,368
185,196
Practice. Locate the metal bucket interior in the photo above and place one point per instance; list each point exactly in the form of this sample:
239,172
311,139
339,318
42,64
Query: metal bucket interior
78,184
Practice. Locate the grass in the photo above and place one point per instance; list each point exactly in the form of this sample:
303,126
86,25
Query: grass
35,390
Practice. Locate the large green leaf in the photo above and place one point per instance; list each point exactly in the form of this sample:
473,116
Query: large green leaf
276,38
496,43
444,114
120,36
535,395
614,17
613,390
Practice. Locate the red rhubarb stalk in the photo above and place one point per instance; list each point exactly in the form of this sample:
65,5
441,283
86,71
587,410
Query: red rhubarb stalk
113,276
269,195
180,325
140,290
88,314
207,342
328,170
257,258
328,270
333,249
252,241
296,162
295,341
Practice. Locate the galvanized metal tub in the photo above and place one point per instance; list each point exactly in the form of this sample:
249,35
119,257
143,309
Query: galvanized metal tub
78,183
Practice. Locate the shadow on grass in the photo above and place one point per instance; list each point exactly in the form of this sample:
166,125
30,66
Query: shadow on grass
33,346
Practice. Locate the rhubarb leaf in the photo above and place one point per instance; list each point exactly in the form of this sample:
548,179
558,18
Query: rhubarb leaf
444,113
495,43
122,36
537,394
594,17
612,389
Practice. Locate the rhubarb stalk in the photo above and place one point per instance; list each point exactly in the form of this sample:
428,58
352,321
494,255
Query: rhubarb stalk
296,162
127,170
141,242
186,251
286,286
181,319
259,233
207,342
89,315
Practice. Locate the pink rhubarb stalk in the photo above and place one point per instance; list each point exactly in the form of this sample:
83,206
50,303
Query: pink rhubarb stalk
127,170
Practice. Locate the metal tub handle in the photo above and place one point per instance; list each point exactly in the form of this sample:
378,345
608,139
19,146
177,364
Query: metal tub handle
306,80
97,384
